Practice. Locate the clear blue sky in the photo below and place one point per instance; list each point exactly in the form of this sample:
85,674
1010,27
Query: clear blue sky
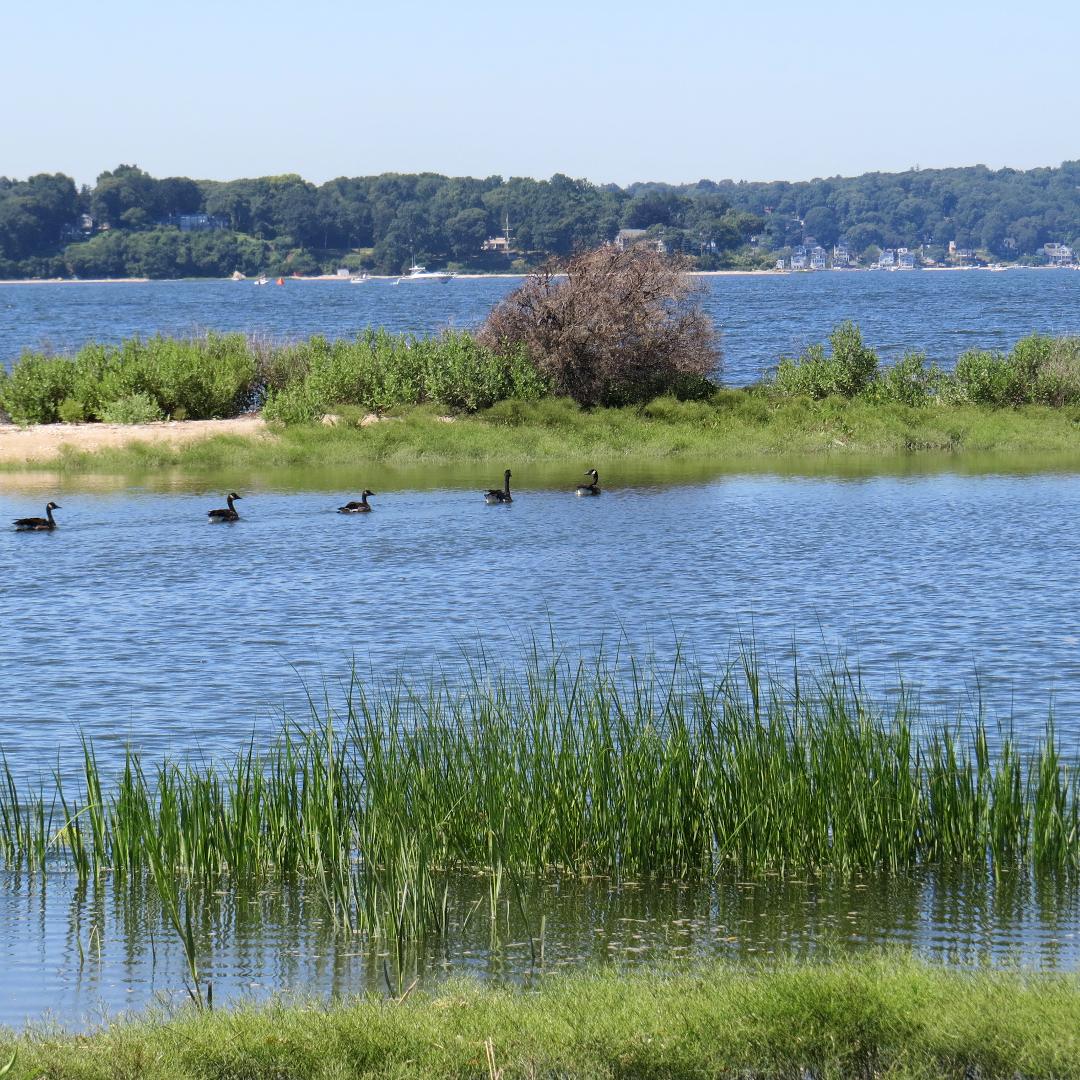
610,91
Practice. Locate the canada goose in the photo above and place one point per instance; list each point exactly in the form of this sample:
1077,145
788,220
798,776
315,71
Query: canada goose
44,524
354,507
225,515
496,496
590,489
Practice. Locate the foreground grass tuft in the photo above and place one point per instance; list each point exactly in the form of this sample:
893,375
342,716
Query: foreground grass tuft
871,1017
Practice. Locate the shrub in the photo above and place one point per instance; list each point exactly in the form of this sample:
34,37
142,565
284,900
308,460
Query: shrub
292,405
32,392
848,371
910,382
610,327
71,411
133,409
1038,370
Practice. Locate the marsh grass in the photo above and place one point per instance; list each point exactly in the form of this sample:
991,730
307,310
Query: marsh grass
844,1020
736,426
579,766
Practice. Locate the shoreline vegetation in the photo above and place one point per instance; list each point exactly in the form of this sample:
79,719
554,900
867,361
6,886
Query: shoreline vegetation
877,1016
398,400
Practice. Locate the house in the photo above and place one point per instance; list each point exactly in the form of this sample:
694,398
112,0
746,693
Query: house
625,238
798,259
780,264
905,259
817,258
887,259
1058,254
500,244
195,222
1009,244
840,254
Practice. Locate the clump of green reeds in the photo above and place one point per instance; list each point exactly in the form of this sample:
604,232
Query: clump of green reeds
572,766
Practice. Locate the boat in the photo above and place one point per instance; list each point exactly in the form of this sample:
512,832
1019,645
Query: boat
422,274
359,279
262,280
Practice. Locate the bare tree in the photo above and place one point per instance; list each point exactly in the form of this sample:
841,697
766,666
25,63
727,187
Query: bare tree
611,327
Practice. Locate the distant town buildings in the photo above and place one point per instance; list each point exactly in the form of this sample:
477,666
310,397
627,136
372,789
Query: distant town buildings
887,259
818,258
798,259
905,259
840,255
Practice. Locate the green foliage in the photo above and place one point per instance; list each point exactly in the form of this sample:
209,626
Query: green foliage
1038,370
910,382
208,377
380,370
70,411
847,371
133,409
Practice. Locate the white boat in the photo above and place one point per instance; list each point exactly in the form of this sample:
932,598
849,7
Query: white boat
359,279
262,280
422,274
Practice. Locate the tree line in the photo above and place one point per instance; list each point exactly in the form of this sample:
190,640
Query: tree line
127,223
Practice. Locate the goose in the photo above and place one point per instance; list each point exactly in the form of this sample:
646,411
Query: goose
45,524
225,515
355,507
590,489
496,496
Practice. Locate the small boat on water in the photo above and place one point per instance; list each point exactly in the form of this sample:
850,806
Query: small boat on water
359,279
422,274
262,280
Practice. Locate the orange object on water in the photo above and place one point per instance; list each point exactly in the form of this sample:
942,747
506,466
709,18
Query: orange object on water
281,281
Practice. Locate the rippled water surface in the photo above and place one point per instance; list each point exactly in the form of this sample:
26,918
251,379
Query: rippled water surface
139,623
761,316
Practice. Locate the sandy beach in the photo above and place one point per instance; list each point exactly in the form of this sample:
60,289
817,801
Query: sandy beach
42,442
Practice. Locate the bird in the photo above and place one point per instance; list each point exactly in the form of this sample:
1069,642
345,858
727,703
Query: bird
45,524
496,496
590,489
355,507
225,515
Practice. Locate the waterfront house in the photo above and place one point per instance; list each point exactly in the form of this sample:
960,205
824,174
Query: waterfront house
818,258
1058,254
625,238
887,259
905,259
798,259
780,264
840,254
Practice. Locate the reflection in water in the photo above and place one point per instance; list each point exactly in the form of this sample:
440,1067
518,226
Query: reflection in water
75,951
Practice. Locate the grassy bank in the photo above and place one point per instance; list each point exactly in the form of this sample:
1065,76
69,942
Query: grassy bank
853,1019
735,425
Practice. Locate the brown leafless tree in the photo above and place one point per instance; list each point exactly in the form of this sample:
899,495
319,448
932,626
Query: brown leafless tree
611,327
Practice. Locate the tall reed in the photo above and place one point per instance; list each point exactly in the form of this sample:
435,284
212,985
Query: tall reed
565,765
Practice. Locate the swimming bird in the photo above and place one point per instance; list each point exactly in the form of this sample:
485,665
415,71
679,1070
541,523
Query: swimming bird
45,524
590,489
496,496
225,515
355,507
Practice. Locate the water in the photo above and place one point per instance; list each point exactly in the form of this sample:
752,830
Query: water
137,622
761,317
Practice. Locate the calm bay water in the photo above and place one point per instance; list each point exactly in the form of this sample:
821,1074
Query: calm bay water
139,623
761,317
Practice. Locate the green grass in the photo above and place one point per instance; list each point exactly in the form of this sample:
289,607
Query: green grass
874,1017
572,766
736,426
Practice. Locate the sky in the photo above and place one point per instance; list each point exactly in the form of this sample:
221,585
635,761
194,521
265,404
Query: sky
613,92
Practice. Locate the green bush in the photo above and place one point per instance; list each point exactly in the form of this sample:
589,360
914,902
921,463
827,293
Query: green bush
292,405
848,371
910,382
71,411
1039,370
133,409
207,377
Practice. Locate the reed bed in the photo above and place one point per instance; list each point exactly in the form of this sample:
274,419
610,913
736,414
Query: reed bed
563,766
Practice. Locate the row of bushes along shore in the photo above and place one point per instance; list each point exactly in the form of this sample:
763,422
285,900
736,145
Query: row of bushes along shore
222,375
873,1017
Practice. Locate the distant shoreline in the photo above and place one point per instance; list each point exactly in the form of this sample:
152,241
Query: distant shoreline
393,277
